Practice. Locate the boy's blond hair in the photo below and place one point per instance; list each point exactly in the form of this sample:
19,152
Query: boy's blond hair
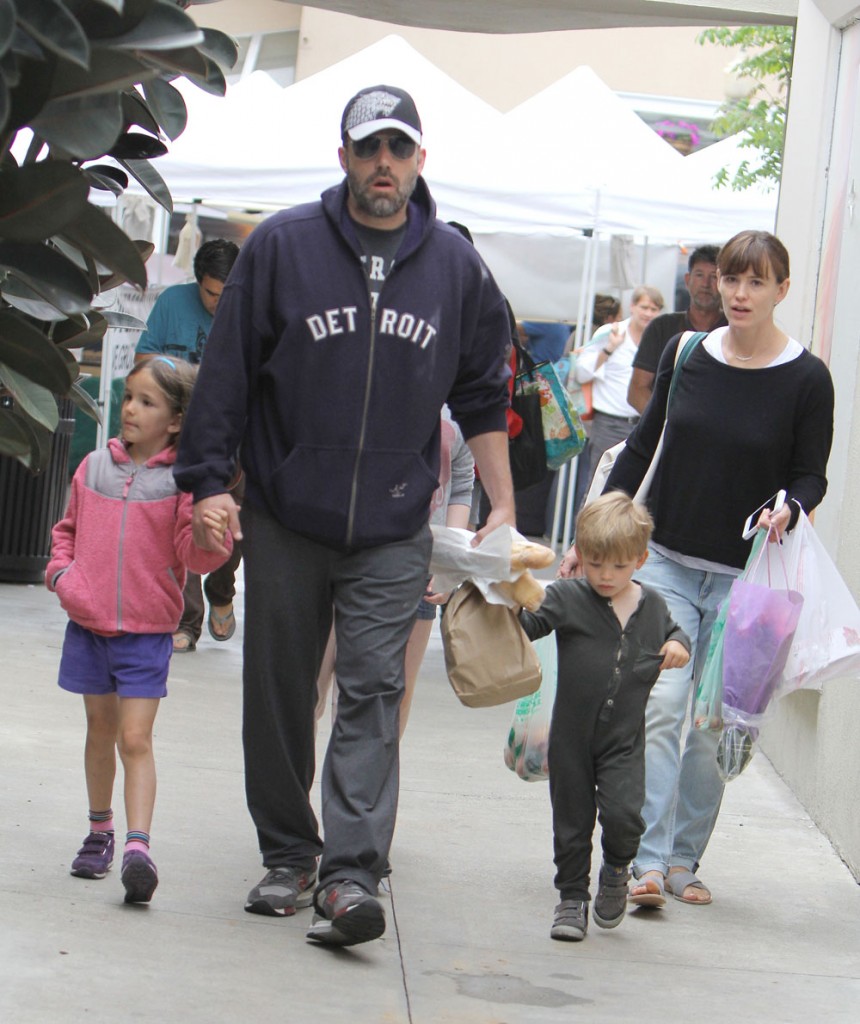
614,526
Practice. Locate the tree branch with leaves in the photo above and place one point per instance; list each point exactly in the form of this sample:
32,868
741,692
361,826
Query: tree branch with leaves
765,60
86,102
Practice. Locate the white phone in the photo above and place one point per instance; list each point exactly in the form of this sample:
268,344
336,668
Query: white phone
773,504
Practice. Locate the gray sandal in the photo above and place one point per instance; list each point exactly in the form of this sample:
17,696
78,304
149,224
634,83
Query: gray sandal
654,895
678,881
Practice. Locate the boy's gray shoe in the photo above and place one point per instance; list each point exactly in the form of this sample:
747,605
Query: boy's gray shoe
346,914
570,921
611,900
282,891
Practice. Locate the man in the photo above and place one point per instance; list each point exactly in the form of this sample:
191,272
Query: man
178,325
704,314
181,318
345,325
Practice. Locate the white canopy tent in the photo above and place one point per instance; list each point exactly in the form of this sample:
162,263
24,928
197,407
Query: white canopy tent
571,162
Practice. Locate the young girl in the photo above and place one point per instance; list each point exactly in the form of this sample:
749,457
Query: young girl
118,565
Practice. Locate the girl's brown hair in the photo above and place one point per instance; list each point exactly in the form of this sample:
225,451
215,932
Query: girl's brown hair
174,378
759,251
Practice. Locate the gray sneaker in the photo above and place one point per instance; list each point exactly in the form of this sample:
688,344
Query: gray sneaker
610,903
570,921
345,915
283,891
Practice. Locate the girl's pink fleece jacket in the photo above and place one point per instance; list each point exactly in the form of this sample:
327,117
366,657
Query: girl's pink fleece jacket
119,557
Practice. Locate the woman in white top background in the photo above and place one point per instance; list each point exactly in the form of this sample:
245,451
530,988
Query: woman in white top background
607,362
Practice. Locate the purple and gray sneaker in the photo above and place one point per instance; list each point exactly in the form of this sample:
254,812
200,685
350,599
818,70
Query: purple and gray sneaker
139,876
95,856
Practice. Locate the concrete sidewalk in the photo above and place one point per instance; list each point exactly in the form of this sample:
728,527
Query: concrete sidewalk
470,899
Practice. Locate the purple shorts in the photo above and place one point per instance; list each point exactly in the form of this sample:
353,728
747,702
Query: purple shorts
131,665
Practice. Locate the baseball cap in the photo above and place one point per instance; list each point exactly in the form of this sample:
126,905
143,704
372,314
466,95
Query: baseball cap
378,107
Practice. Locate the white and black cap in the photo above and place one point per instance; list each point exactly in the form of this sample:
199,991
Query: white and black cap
379,107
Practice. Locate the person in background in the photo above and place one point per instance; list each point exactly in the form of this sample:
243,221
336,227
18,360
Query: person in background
751,414
606,310
118,558
345,326
179,325
606,364
181,318
608,627
705,313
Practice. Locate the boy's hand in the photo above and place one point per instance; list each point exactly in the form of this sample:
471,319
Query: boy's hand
675,655
215,521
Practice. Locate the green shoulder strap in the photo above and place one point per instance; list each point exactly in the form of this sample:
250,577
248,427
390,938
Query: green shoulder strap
684,355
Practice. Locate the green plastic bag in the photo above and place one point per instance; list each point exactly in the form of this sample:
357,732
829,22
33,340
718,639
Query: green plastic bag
527,749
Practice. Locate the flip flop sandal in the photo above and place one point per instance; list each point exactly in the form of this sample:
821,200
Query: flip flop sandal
228,620
186,640
678,881
654,895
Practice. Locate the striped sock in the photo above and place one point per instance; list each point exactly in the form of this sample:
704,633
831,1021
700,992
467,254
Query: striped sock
101,821
137,841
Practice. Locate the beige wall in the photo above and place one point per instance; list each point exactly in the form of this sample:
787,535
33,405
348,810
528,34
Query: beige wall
505,70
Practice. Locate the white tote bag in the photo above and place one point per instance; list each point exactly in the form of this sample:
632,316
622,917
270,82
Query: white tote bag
689,340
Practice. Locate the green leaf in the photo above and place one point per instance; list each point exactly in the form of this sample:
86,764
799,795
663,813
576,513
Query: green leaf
40,272
32,399
86,127
28,351
41,442
186,61
83,332
149,178
165,27
51,23
96,234
212,81
109,71
103,182
220,47
168,106
7,25
136,111
14,438
137,146
32,90
84,402
124,321
37,200
145,249
102,171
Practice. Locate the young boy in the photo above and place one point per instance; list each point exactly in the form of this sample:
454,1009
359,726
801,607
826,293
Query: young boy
614,638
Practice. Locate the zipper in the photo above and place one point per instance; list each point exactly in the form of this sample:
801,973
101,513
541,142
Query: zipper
353,494
129,480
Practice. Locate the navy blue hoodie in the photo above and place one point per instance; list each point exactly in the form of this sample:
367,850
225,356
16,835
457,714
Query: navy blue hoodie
338,411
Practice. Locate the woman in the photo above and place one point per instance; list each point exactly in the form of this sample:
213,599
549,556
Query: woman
607,363
752,413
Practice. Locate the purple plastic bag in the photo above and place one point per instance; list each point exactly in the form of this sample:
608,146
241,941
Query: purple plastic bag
760,627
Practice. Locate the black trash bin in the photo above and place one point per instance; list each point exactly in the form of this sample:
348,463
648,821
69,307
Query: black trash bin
31,505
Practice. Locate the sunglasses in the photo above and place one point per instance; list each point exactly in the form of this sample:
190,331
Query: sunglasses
401,147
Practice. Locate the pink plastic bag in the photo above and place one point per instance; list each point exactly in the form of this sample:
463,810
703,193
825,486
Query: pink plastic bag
760,628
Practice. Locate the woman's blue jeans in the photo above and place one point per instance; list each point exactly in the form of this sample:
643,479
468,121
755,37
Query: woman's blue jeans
683,791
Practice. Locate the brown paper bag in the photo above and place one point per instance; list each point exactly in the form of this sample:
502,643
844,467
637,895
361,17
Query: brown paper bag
488,657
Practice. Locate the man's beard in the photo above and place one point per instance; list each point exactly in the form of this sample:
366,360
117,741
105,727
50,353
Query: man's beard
380,206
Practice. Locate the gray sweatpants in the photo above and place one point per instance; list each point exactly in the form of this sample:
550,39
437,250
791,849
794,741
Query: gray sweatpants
292,584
